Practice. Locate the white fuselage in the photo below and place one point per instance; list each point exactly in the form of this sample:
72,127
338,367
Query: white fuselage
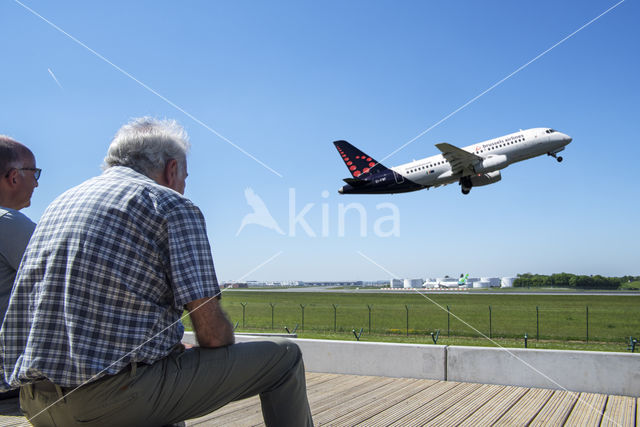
515,147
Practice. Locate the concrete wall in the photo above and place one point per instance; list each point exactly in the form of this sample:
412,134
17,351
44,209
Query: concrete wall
596,372
590,371
366,358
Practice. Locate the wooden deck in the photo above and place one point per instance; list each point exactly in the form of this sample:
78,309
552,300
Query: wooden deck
348,400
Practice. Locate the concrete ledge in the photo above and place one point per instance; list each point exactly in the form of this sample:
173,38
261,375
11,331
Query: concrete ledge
381,359
366,358
583,371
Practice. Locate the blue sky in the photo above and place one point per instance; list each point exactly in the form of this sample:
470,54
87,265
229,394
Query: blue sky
284,79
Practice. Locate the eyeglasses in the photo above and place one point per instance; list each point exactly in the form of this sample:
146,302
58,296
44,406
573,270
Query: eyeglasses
36,172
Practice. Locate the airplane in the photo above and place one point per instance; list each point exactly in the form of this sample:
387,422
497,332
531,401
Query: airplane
472,166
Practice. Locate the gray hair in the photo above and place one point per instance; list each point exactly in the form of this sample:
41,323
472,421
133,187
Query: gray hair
146,144
11,152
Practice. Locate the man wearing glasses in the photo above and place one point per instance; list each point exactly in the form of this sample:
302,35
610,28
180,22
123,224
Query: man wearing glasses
18,180
19,176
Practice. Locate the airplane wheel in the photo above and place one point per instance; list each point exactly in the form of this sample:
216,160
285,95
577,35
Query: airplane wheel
559,159
465,190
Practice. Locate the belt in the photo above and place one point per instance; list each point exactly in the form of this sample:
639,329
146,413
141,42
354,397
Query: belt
49,386
46,385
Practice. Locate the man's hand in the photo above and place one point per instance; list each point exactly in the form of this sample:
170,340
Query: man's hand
210,323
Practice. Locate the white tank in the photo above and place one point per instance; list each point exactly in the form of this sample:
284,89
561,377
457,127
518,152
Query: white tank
493,281
482,283
413,283
507,282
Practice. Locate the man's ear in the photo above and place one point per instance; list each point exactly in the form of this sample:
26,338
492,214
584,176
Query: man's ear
171,173
12,177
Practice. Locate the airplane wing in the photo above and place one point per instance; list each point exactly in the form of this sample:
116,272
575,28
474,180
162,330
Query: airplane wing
460,160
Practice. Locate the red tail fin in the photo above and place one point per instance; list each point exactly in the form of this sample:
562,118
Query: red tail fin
358,163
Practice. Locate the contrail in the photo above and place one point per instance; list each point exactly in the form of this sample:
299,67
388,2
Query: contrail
148,88
54,77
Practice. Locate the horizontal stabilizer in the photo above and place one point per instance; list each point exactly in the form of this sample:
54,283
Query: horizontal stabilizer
354,182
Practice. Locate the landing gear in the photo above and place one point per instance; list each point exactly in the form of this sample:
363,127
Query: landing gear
558,158
465,184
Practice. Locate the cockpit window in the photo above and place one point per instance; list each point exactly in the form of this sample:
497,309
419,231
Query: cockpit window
550,131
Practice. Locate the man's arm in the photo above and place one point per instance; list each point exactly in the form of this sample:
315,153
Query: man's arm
210,323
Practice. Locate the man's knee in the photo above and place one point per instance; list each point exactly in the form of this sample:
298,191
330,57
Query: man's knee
284,351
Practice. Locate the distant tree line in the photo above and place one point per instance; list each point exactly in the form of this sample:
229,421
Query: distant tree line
567,280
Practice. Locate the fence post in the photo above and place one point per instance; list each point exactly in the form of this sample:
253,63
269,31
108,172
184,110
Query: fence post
302,306
244,305
335,315
407,307
490,328
272,307
369,306
448,320
587,324
537,325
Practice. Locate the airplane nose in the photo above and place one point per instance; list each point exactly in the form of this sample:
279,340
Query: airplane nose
567,139
340,191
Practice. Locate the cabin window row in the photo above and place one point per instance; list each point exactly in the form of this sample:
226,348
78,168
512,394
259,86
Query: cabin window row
481,151
427,166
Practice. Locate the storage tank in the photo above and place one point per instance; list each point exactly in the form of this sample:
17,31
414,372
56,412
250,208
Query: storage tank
494,282
507,282
482,283
413,283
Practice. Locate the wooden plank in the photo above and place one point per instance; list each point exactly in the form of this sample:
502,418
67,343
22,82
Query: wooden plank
365,412
239,410
380,401
393,414
342,388
620,411
344,406
314,378
330,400
587,411
466,406
526,408
496,408
557,409
13,421
428,412
355,386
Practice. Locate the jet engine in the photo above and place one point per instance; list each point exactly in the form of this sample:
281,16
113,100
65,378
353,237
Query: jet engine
485,179
491,164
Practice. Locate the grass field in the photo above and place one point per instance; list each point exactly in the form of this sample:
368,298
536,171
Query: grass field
562,319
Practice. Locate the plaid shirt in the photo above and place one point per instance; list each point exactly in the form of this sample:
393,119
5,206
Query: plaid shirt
104,281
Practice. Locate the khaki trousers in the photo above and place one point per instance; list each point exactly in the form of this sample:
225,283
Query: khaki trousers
184,385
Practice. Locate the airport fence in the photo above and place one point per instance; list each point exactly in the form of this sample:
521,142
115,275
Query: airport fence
551,322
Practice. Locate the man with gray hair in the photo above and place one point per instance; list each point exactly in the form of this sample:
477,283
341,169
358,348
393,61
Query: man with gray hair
92,334
18,178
